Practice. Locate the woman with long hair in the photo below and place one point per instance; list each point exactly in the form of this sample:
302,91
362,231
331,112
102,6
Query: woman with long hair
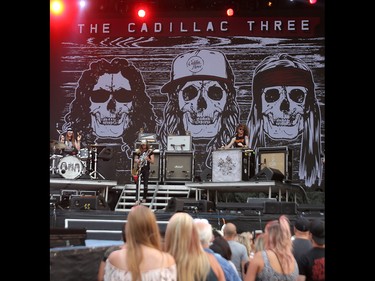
276,261
142,257
183,243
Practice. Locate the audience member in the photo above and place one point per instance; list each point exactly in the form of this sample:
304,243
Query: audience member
246,238
259,243
142,257
221,246
239,251
107,253
312,266
205,235
301,240
276,262
258,246
182,242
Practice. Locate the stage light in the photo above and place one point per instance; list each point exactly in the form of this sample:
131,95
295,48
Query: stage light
142,10
312,2
141,13
82,3
57,7
230,12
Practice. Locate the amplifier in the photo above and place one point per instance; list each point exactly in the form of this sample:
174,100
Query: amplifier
179,143
152,144
278,158
178,166
155,169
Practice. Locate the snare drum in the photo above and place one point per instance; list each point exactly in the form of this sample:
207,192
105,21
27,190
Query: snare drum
83,154
70,167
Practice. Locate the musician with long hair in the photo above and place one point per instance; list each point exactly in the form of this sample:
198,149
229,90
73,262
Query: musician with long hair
143,158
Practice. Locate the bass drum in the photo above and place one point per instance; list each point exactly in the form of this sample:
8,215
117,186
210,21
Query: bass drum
70,167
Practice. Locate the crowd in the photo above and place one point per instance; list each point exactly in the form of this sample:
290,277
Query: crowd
192,250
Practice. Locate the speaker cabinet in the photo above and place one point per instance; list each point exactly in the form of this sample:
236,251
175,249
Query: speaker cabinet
267,174
272,208
288,208
284,208
279,158
176,204
178,166
84,202
155,169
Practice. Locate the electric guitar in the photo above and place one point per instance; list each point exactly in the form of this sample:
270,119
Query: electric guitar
142,161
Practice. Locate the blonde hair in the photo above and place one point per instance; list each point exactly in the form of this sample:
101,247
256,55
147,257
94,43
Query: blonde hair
245,238
259,243
183,243
279,239
140,229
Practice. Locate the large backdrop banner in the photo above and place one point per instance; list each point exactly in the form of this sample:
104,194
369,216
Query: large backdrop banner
114,78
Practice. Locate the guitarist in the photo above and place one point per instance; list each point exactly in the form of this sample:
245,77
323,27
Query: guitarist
144,156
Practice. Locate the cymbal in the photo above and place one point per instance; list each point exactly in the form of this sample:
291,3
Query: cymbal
57,144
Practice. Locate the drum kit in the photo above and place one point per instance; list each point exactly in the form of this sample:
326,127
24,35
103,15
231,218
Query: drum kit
72,164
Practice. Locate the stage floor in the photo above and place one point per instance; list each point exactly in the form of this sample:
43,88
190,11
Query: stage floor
104,223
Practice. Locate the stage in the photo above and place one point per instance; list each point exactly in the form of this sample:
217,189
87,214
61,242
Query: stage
104,221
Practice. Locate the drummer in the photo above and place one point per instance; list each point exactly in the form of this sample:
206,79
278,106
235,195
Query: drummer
240,139
71,142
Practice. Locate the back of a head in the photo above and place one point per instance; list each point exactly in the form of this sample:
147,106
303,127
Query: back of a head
230,230
279,235
221,246
317,229
204,230
259,243
142,228
245,239
183,243
302,224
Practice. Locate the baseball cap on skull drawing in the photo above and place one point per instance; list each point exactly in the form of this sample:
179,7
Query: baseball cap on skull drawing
199,65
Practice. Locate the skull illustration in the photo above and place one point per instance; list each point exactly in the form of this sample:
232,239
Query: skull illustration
111,105
282,109
202,104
